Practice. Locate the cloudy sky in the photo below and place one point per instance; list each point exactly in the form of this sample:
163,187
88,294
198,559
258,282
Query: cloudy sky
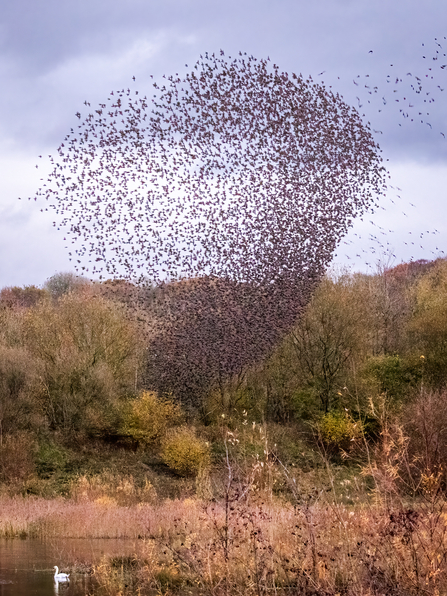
386,58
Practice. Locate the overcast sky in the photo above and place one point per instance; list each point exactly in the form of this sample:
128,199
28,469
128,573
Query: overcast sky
56,54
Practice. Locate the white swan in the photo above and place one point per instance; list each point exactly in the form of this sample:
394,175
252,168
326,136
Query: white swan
60,577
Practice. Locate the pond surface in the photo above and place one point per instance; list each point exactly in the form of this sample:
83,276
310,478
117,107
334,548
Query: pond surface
26,566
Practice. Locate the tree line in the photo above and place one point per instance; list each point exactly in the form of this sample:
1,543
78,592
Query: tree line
73,352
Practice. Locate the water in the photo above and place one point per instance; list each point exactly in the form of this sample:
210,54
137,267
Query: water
26,566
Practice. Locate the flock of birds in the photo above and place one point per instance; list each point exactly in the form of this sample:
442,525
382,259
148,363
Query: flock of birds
409,90
237,182
408,96
238,170
409,106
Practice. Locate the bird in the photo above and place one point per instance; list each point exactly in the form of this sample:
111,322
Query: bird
60,577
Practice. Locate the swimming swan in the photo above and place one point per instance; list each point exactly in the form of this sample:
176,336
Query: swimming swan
60,577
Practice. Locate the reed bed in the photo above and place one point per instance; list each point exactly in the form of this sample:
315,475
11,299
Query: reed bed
272,548
237,546
37,517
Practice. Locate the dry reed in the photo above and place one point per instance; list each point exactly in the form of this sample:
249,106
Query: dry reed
255,549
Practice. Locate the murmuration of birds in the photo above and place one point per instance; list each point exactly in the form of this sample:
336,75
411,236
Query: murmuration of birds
406,103
411,94
228,190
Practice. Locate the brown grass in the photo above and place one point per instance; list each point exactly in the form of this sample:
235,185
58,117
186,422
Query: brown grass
258,548
102,518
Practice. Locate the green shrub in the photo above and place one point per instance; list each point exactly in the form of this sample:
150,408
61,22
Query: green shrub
392,375
184,452
146,419
51,458
339,431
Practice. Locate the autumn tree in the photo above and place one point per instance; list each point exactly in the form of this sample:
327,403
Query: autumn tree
330,337
17,297
63,283
18,388
88,354
428,326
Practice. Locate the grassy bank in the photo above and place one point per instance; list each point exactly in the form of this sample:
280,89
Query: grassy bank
252,524
275,508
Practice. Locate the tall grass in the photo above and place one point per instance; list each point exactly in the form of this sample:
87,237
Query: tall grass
103,518
298,550
255,548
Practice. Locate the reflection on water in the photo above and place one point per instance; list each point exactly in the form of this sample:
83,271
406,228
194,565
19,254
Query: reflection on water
27,566
58,582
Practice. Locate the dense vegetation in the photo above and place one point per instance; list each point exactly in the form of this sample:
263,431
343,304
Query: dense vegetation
345,418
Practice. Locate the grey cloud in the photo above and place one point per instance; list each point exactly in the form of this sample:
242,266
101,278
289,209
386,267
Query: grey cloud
42,39
55,54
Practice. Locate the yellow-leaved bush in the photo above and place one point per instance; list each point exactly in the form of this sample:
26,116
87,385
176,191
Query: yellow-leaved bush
184,452
338,430
146,418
